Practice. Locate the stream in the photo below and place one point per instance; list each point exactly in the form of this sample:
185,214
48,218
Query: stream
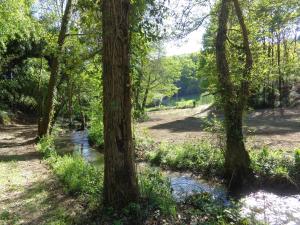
263,206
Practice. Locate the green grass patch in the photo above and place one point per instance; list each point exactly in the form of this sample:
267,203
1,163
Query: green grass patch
198,157
156,188
185,102
84,180
7,217
276,165
206,159
78,176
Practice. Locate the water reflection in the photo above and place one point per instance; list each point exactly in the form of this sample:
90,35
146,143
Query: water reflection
272,209
76,142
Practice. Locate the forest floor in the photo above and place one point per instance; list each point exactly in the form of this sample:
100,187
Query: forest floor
29,192
275,128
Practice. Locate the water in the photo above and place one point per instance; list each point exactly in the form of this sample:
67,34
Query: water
76,142
263,206
271,208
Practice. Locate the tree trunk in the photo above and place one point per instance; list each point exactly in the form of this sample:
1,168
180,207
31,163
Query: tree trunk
146,94
120,181
280,80
70,101
237,161
45,125
137,90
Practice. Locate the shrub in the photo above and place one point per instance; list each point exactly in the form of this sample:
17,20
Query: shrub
212,211
200,157
96,132
267,163
204,158
4,118
297,158
46,146
157,190
185,104
79,177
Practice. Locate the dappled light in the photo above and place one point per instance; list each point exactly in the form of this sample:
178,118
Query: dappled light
149,112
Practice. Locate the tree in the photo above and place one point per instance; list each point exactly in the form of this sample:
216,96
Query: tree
234,100
120,181
54,65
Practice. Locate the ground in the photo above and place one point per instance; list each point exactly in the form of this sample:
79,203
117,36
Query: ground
278,128
29,192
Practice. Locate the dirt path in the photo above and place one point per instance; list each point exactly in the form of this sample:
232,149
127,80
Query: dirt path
273,128
29,193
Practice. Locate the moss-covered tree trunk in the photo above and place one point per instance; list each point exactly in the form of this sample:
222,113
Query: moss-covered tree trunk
48,109
120,181
237,161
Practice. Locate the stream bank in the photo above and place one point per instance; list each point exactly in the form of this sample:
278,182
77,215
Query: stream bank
266,207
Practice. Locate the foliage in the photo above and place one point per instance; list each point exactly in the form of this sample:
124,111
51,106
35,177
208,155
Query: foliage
273,35
200,157
214,211
157,190
83,179
96,133
297,158
46,146
78,176
184,102
4,118
268,163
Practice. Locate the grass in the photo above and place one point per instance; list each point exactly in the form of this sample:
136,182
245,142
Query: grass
85,181
276,166
25,200
157,190
185,102
206,159
78,176
198,157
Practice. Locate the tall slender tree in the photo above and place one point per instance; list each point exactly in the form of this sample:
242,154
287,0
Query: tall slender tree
120,181
237,160
54,65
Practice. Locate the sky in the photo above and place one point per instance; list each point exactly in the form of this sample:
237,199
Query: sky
192,43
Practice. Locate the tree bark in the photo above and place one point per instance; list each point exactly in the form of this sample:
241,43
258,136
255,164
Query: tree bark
280,80
237,160
144,102
45,125
120,181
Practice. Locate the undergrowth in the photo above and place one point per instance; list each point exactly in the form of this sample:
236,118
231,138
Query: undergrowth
96,132
206,159
4,118
156,189
83,180
198,157
78,176
208,210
